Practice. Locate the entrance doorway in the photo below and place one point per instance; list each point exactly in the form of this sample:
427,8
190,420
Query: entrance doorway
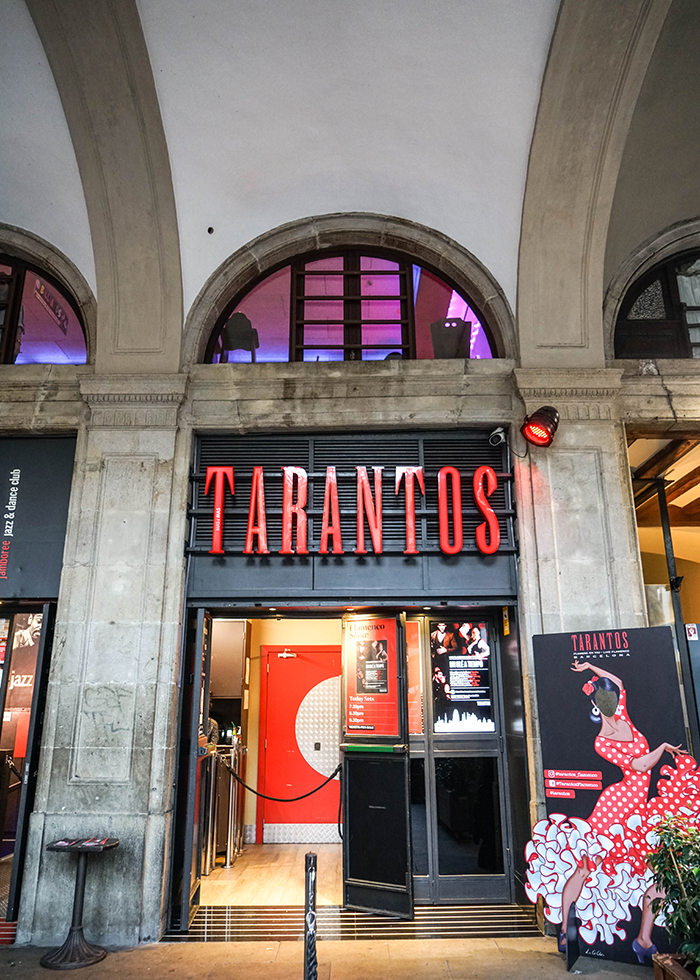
25,635
280,696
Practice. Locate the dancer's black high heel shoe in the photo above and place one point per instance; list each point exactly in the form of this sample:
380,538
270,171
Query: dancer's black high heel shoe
572,949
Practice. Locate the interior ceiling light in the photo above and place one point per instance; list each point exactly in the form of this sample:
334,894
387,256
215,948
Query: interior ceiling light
539,428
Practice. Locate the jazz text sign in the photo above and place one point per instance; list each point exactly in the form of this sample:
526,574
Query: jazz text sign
409,480
369,655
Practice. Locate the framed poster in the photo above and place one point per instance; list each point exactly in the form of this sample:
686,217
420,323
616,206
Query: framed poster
370,665
615,763
461,676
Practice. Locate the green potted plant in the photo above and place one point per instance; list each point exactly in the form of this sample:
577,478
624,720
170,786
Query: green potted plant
675,864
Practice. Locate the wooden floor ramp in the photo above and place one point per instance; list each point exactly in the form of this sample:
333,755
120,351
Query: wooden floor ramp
270,923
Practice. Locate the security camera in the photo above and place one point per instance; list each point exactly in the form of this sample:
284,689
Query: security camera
498,436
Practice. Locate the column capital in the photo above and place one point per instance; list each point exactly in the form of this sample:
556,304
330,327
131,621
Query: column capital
127,401
578,395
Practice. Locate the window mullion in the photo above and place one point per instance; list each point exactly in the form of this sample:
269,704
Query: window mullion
352,307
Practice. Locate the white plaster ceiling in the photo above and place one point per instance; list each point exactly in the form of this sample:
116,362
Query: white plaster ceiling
274,111
40,187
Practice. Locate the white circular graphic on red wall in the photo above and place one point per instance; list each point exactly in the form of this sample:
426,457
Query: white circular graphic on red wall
317,726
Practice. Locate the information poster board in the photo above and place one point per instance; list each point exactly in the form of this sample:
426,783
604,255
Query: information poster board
460,657
615,763
370,661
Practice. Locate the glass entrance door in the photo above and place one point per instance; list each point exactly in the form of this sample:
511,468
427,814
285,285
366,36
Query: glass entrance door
459,816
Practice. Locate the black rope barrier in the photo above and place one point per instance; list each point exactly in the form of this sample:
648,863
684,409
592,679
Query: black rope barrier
285,799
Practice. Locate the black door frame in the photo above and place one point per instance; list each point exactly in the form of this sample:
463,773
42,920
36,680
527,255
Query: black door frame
512,755
434,888
194,698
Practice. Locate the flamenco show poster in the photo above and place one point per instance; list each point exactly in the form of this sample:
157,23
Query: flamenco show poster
614,753
369,656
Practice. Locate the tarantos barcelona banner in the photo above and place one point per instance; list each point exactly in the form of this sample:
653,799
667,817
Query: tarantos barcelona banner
614,751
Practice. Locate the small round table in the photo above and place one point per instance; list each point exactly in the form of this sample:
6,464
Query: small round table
76,950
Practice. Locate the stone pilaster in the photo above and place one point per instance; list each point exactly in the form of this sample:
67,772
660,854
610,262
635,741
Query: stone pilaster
579,552
108,757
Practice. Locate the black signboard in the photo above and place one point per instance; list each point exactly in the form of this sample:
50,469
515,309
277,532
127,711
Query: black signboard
460,669
614,765
400,514
35,482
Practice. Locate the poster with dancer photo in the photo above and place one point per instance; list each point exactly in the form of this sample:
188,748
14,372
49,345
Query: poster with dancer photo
461,676
369,655
615,763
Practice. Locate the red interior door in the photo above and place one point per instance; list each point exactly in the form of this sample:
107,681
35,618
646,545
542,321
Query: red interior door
299,738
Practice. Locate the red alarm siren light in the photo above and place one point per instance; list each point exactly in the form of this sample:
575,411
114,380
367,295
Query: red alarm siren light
539,428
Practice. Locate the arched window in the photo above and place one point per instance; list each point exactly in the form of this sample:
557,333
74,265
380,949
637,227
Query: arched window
38,322
660,314
356,305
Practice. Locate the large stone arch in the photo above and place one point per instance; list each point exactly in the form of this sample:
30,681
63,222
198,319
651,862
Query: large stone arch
308,235
98,56
31,248
598,59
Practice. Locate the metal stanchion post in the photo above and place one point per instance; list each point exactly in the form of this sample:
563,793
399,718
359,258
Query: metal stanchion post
230,826
209,850
310,961
240,799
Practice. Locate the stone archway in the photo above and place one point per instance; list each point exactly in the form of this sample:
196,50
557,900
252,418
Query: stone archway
31,248
282,244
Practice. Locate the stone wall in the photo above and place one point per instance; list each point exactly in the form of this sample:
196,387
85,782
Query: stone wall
108,758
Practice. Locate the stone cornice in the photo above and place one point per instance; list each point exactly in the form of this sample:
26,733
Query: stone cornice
126,401
579,395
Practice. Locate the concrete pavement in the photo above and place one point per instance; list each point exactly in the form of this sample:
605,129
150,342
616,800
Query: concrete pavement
435,959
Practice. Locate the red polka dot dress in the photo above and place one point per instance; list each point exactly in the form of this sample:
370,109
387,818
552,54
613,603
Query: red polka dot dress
617,802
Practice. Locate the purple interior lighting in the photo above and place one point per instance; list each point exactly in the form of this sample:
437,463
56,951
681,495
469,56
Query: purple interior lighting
49,332
267,308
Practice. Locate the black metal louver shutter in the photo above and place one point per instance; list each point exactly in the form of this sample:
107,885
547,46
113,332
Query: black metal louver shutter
465,451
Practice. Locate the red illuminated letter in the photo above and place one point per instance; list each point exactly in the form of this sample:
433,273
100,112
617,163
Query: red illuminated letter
331,510
291,507
218,473
486,509
409,472
374,516
257,508
444,511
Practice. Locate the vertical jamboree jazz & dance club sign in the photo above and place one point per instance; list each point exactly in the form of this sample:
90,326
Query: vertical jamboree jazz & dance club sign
35,483
615,761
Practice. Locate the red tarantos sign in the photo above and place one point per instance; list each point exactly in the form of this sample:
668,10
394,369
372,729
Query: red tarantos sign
409,484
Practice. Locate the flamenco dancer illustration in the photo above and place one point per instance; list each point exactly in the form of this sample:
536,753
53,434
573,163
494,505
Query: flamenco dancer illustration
598,865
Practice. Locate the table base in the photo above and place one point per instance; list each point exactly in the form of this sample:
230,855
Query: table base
75,952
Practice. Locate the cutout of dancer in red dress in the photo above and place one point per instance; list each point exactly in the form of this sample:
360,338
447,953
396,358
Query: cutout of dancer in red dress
606,854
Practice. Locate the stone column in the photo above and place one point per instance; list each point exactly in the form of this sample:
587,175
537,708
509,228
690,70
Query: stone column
580,566
108,756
